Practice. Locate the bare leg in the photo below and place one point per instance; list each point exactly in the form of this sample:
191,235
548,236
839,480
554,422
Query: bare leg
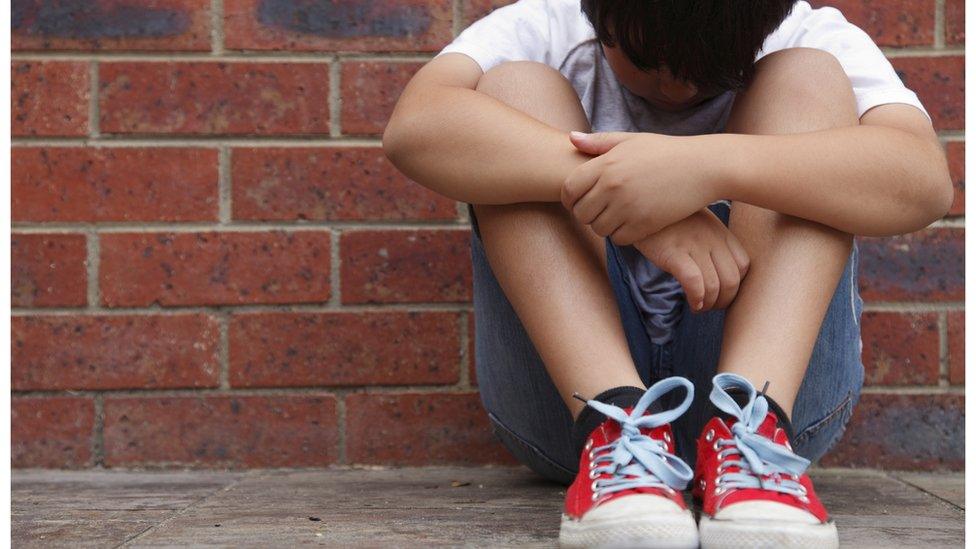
553,270
772,325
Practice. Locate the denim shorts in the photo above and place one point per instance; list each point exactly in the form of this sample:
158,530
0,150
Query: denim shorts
530,418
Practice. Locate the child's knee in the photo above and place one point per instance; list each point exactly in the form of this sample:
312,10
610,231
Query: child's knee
809,77
537,90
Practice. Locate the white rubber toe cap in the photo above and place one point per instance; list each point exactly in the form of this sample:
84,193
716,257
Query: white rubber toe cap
631,506
761,511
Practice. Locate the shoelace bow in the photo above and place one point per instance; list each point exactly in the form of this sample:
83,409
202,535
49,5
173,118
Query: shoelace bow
635,460
763,464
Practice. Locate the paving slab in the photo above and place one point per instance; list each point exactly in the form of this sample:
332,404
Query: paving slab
948,486
412,507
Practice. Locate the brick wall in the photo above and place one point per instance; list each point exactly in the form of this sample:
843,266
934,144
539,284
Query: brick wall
213,264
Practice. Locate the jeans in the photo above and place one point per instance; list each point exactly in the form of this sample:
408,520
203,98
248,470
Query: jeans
530,418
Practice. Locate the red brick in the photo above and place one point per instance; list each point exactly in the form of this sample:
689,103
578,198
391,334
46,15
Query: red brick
904,432
940,85
48,270
900,348
921,266
420,429
90,185
369,93
49,98
955,22
83,25
214,98
957,347
222,431
405,266
52,432
381,348
345,25
114,352
890,22
333,184
956,155
476,9
214,268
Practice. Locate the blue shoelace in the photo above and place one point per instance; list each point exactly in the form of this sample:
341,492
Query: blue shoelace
762,463
636,460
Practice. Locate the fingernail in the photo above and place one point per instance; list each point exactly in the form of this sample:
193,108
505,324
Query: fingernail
577,135
699,305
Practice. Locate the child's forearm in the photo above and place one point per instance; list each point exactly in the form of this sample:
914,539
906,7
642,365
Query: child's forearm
866,180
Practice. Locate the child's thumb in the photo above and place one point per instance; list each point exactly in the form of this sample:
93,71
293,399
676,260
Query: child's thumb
596,143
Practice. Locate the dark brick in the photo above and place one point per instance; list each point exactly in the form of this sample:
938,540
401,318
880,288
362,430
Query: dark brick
51,432
114,352
214,268
303,25
420,429
890,22
48,270
940,85
955,22
175,25
956,156
382,348
476,9
222,431
405,266
334,184
214,98
90,185
904,432
900,348
957,347
921,266
49,98
369,93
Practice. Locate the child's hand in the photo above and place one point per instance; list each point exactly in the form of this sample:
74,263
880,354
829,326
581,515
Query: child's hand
703,255
638,183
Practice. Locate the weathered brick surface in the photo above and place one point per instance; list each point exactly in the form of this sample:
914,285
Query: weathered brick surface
328,184
326,349
110,25
222,431
890,22
369,93
419,429
49,98
48,270
904,432
900,348
114,352
956,325
956,155
955,27
940,85
476,9
53,432
921,266
346,25
139,269
405,266
214,98
84,185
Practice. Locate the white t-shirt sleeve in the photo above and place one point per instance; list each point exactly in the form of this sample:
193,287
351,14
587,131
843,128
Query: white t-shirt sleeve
528,30
874,80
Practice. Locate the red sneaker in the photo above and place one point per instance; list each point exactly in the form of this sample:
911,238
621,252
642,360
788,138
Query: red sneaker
752,487
628,489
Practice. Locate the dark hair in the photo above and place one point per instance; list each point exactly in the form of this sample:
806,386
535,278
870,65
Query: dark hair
710,43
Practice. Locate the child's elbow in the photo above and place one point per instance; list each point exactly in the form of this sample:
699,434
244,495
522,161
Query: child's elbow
941,195
394,142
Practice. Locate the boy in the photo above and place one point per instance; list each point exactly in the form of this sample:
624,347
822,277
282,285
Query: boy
661,250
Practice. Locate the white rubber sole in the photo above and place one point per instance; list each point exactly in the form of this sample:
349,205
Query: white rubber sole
673,531
736,534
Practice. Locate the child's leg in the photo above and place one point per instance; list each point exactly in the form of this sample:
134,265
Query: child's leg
772,325
552,270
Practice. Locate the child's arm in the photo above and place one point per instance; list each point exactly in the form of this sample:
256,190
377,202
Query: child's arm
466,145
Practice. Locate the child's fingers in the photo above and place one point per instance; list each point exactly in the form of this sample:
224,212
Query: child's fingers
738,252
607,222
686,271
728,275
589,207
579,182
710,278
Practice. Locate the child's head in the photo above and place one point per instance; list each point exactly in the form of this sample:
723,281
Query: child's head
675,53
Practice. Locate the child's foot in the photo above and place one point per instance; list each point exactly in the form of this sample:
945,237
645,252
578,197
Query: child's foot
628,489
752,487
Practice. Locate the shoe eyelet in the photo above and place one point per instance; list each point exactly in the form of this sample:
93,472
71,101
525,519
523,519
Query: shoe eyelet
715,445
803,491
709,435
804,499
593,487
795,478
701,483
595,496
590,455
670,491
589,445
667,437
593,474
719,490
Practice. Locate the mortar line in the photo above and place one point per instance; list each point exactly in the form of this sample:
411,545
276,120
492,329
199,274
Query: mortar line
923,51
224,190
335,98
943,324
225,56
223,350
217,27
337,391
914,307
98,434
457,12
940,24
335,260
92,260
309,308
150,227
464,377
94,114
161,140
913,390
341,454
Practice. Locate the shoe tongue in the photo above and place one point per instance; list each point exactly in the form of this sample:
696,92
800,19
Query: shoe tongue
767,428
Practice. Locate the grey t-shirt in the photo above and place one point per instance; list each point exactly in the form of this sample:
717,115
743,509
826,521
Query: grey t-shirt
556,33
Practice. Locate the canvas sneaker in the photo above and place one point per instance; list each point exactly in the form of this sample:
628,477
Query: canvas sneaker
754,491
628,489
